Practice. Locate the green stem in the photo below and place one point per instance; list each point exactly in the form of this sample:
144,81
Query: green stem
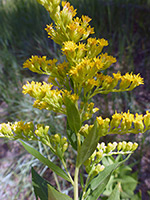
55,177
64,164
76,183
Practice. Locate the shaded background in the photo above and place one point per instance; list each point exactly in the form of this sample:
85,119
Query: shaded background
125,24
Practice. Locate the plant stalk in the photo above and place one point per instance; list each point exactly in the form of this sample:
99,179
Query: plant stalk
76,183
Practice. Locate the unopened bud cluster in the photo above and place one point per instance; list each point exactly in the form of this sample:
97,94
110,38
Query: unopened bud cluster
89,110
116,148
92,164
59,144
25,131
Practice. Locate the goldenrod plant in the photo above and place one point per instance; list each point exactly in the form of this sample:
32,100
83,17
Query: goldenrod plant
70,88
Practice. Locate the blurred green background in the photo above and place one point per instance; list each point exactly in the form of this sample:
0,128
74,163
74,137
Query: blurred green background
124,23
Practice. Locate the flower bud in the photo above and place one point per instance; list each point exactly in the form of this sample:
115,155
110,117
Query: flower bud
63,141
57,138
5,129
65,147
147,119
129,146
87,162
119,146
124,145
99,154
98,168
109,147
84,130
134,146
138,122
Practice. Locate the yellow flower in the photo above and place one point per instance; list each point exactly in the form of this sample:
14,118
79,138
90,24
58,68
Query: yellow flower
130,81
129,118
137,80
116,119
68,9
107,60
5,130
69,46
147,119
85,19
73,97
40,64
138,122
117,76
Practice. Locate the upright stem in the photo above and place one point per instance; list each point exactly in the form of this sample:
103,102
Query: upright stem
76,170
76,183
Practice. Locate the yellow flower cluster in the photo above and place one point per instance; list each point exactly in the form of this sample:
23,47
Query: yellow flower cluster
48,98
85,61
40,65
122,123
67,27
25,131
57,72
105,84
89,69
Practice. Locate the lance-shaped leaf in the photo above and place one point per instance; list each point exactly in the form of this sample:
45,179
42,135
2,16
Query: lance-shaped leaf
73,115
55,195
40,185
88,146
45,161
99,183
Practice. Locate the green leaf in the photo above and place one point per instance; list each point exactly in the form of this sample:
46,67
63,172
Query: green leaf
40,185
98,191
115,195
45,161
98,184
73,115
72,137
55,195
88,146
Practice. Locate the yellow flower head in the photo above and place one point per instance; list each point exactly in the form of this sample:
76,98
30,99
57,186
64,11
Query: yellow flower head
69,46
85,19
67,8
73,97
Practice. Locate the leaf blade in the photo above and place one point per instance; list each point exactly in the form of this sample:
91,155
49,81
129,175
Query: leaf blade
55,195
45,161
99,183
115,193
88,146
73,115
40,185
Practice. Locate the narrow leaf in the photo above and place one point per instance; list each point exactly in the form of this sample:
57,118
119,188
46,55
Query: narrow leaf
88,146
55,195
73,115
45,161
40,185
